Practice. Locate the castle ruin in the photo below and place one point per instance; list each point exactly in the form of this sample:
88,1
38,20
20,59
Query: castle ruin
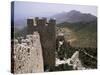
36,51
47,33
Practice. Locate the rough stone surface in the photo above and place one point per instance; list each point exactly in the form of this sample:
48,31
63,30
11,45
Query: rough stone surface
27,57
76,62
47,33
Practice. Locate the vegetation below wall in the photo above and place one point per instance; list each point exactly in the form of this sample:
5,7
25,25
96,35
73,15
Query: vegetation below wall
86,33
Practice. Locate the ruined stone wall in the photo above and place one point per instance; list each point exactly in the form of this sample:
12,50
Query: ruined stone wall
46,30
74,60
27,56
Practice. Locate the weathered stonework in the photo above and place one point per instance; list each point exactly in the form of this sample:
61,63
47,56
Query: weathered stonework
27,56
34,52
75,62
47,33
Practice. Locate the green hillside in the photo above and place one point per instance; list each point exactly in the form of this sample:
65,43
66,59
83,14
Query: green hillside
86,33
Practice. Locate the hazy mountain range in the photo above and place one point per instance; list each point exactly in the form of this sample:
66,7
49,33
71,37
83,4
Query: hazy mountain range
74,16
71,17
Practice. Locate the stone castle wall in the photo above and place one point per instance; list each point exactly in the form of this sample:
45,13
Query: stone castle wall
27,56
47,33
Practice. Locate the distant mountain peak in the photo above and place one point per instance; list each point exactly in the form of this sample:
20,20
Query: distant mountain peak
74,16
71,17
74,11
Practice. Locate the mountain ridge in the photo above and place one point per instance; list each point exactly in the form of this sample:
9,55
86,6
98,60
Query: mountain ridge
74,16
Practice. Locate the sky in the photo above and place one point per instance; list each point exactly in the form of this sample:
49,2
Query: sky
24,9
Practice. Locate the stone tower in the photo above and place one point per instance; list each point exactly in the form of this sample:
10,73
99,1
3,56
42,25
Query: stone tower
46,30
